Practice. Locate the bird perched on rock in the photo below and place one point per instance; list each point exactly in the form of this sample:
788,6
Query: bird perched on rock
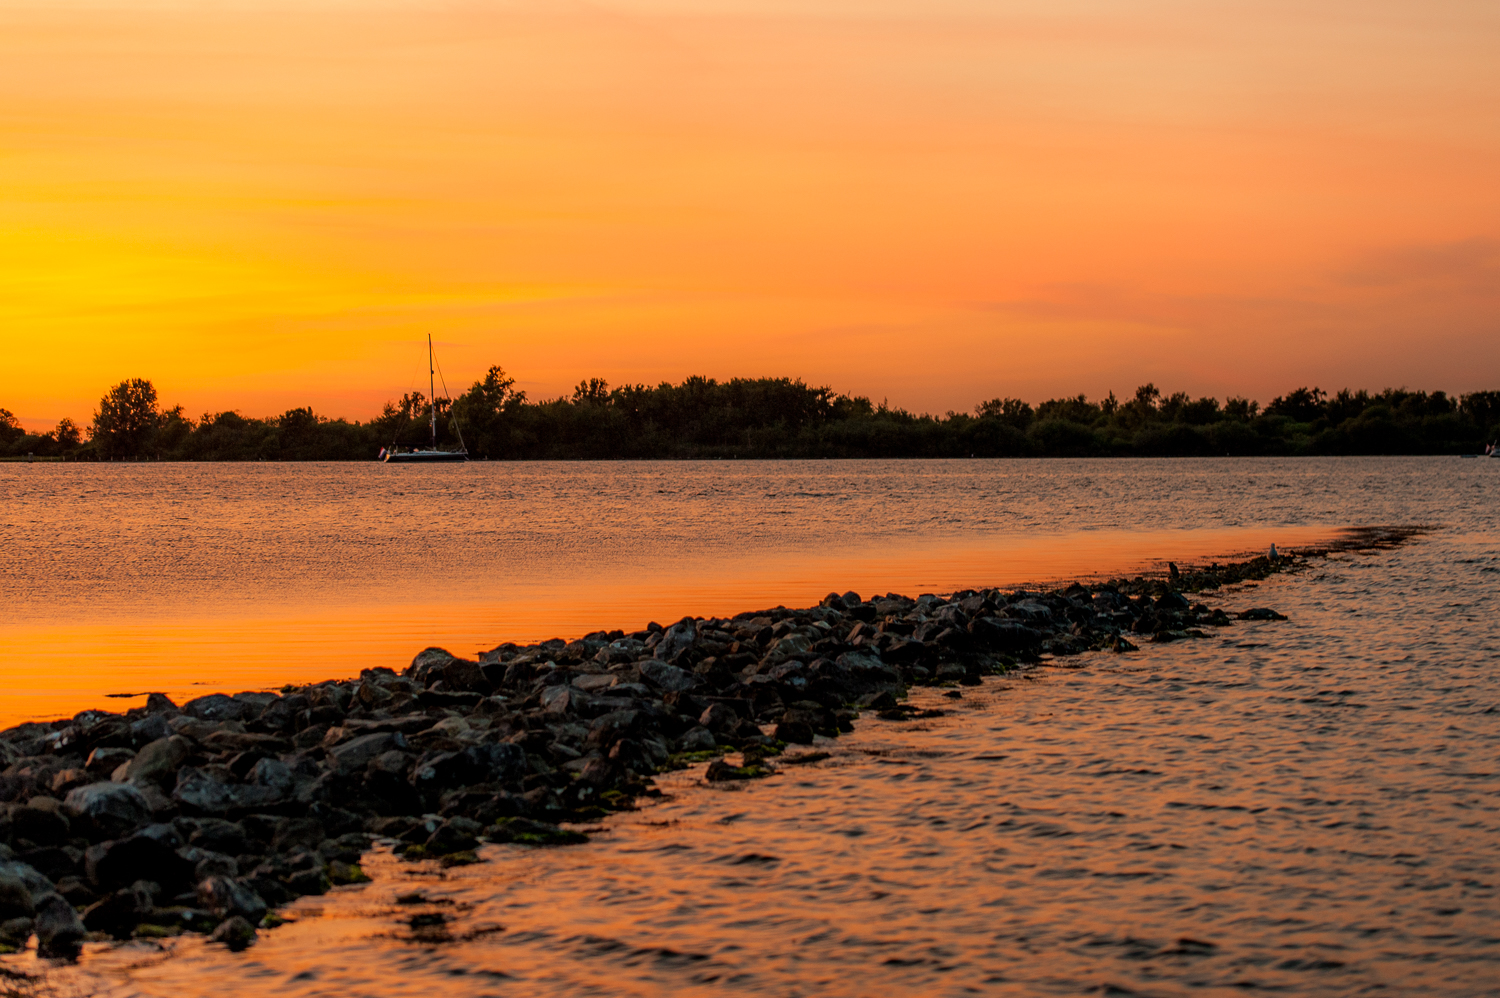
1274,555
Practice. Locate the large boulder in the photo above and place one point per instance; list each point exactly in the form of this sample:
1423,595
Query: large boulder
109,809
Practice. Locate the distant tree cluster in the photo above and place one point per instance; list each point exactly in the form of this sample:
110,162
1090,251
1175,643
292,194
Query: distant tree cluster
776,418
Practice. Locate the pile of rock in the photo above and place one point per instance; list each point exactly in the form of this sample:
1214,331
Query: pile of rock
206,816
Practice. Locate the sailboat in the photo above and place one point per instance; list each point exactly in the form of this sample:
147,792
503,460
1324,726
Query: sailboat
390,455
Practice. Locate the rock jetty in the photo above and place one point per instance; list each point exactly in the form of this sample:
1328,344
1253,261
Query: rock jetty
205,816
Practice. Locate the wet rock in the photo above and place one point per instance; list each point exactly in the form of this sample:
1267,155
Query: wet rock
226,898
109,810
457,834
1261,613
718,717
59,931
527,831
117,913
696,739
236,932
794,732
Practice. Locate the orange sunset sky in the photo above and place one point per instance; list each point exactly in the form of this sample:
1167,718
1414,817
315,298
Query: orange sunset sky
268,204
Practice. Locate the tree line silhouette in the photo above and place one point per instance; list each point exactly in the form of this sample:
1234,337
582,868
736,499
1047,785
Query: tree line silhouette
775,418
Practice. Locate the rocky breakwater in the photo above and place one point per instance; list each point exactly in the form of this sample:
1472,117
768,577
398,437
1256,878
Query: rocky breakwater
204,817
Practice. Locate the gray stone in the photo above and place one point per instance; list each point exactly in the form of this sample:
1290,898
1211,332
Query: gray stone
111,809
668,678
355,754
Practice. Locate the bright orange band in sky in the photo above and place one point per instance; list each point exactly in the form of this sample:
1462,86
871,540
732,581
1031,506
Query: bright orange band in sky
264,205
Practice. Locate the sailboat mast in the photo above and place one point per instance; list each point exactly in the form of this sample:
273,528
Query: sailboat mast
431,391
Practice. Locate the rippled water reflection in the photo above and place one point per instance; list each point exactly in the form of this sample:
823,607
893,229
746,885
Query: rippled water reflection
1309,807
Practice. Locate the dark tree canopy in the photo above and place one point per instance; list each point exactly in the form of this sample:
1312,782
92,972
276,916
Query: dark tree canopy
780,418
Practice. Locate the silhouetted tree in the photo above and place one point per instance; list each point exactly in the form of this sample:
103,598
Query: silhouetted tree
126,423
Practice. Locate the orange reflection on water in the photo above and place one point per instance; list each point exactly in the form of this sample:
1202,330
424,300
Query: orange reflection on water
58,669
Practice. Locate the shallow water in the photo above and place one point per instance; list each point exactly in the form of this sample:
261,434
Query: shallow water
1308,807
189,579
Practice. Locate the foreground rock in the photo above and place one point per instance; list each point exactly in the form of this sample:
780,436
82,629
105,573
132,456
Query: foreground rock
203,817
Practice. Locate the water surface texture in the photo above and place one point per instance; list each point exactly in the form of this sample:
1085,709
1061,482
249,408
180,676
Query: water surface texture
1309,807
191,578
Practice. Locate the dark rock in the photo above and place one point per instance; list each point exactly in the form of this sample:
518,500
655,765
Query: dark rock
677,641
150,853
15,898
1006,636
1172,602
109,810
336,821
227,898
457,834
104,761
312,881
355,754
668,678
294,832
53,862
217,707
59,931
799,732
37,822
158,761
217,835
526,831
236,933
202,792
1261,613
117,913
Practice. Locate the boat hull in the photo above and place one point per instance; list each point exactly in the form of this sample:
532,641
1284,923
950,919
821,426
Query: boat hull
427,457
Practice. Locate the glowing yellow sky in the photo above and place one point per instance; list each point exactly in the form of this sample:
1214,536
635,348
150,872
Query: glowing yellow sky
262,205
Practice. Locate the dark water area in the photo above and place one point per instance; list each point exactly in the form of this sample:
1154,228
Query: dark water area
1305,807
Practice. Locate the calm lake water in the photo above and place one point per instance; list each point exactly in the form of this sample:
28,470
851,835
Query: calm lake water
1309,807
